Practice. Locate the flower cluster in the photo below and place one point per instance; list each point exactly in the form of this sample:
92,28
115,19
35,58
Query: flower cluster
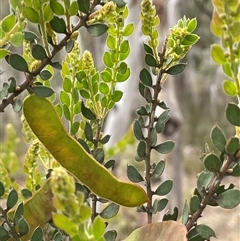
150,21
181,39
86,62
107,12
63,188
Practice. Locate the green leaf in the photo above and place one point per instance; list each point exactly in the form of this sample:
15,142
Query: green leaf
104,88
98,227
64,98
229,87
194,204
148,49
233,114
122,68
88,132
97,29
56,65
37,235
170,216
29,36
2,189
150,60
133,174
218,54
8,23
75,128
17,39
227,69
236,170
191,26
148,95
58,24
218,138
73,10
13,85
185,213
158,170
205,232
146,77
162,119
160,231
110,211
64,223
159,205
69,46
142,111
229,199
105,139
17,105
232,146
87,113
110,235
153,137
4,91
123,77
110,164
204,178
18,212
111,42
26,193
4,234
176,69
67,85
84,6
107,59
212,162
45,74
66,112
57,7
99,155
128,30
85,94
18,62
165,147
141,149
164,188
47,12
32,15
120,3
3,53
106,75
117,96
190,39
12,199
23,227
124,47
137,130
42,91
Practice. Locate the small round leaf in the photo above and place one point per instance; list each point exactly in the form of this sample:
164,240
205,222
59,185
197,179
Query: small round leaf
18,62
110,211
164,188
133,174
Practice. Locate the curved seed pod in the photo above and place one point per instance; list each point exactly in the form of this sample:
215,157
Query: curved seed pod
34,215
47,126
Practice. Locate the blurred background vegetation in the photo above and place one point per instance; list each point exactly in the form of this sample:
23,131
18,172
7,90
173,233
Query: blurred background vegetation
202,103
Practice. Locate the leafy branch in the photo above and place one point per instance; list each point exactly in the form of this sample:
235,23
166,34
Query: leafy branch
30,76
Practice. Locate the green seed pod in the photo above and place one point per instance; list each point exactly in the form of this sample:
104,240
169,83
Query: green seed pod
45,123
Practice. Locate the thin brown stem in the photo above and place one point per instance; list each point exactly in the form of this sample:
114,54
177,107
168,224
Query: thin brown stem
10,224
217,179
